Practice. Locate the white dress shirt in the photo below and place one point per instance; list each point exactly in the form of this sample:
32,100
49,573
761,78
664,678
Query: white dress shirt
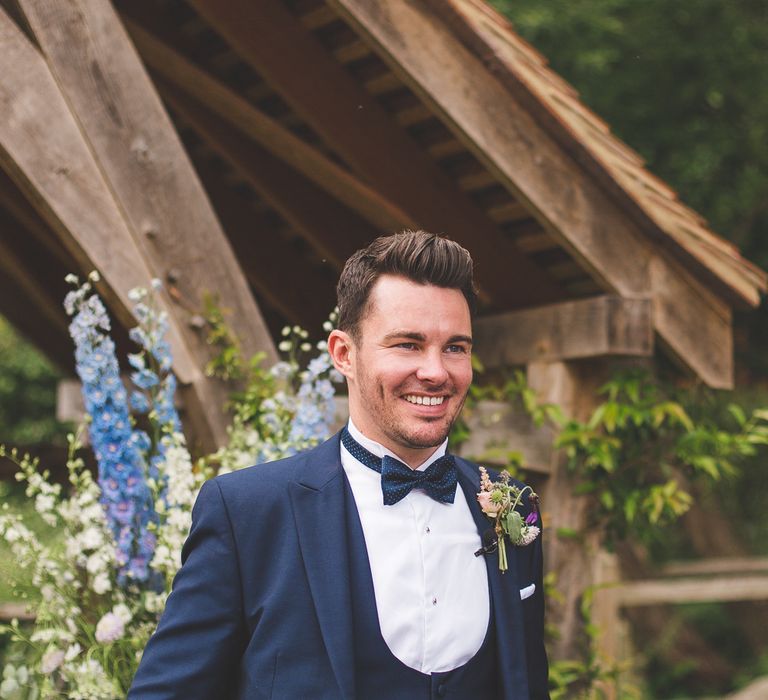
431,591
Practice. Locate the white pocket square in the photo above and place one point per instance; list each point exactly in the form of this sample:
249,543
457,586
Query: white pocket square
527,592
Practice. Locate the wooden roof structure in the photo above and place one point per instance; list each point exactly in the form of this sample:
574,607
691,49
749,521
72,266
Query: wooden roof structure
247,148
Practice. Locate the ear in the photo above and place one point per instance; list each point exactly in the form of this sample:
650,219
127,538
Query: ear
341,348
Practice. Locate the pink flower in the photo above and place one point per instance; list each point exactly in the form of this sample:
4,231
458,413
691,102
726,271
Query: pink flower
51,660
110,628
488,506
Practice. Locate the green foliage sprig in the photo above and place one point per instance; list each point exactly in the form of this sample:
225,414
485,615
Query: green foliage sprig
640,446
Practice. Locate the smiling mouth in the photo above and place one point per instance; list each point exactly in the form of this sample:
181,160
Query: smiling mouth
424,400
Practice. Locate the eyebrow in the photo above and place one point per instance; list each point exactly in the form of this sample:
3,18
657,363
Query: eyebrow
412,335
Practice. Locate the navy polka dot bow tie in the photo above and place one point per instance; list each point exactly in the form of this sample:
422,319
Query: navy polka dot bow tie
438,480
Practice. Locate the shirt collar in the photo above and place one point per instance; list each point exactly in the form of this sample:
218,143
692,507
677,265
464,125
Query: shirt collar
379,450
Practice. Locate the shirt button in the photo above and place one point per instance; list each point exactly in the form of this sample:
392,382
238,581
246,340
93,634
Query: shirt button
441,689
434,600
428,530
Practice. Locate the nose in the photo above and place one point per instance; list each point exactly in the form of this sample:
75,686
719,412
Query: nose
432,369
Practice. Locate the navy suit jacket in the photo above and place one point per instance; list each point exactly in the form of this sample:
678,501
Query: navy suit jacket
261,605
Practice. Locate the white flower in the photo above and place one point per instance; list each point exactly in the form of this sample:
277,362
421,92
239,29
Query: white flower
91,538
123,612
110,628
95,563
284,346
51,660
72,652
44,503
101,583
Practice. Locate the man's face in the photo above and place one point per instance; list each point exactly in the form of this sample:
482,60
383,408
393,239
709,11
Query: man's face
410,369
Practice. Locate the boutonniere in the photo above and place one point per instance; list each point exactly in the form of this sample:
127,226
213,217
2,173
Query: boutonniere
499,500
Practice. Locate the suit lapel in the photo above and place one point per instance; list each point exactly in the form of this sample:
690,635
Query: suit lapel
317,498
505,594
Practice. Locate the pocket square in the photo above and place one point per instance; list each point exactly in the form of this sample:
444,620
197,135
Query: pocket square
527,592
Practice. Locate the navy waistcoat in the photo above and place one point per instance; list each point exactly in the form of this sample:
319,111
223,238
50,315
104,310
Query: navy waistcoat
379,674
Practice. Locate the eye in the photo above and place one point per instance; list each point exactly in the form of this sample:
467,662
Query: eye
460,349
407,346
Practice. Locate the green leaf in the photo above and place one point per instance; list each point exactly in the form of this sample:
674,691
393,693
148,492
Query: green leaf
567,533
514,525
738,413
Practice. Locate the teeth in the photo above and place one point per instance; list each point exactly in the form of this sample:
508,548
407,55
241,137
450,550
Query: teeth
425,400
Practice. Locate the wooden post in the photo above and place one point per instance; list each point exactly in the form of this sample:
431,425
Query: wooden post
573,559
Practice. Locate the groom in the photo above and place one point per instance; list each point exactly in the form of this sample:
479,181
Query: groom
349,571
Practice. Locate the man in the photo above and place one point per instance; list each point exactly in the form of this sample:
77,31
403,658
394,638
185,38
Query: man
349,571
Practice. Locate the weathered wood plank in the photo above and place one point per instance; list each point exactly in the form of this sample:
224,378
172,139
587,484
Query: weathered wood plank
24,272
15,611
57,173
243,116
496,429
717,565
572,562
140,154
251,237
605,325
328,226
14,202
722,589
570,205
326,96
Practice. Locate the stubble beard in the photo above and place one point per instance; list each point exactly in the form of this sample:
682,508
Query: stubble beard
396,428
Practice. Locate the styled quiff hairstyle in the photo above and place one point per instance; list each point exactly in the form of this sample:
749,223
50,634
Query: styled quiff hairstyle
421,257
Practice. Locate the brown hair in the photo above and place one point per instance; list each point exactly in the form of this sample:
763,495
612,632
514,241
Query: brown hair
422,257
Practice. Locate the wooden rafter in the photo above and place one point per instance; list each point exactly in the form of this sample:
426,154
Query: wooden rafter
690,320
267,257
14,202
324,94
600,326
333,230
58,174
139,152
252,122
23,266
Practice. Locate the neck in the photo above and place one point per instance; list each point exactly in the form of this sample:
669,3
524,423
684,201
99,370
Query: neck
413,457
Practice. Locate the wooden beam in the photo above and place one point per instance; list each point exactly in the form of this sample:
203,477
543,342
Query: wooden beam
572,207
14,202
497,429
333,230
600,326
721,589
281,143
270,261
15,611
30,276
717,565
56,170
139,152
326,96
29,309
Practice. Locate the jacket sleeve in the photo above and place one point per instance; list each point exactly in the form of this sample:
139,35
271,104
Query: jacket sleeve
196,649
